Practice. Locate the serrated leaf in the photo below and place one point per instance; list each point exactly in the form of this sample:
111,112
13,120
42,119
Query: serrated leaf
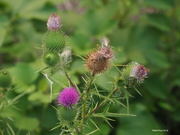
111,115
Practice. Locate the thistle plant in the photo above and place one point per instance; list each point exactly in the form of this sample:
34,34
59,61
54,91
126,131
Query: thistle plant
6,83
76,106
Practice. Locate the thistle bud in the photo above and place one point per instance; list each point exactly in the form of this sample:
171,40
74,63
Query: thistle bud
98,61
66,115
139,72
134,73
5,79
54,23
51,58
54,41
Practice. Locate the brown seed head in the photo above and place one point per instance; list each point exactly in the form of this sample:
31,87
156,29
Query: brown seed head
98,61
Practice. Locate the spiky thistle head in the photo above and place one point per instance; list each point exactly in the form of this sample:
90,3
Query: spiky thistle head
98,61
68,97
54,23
54,41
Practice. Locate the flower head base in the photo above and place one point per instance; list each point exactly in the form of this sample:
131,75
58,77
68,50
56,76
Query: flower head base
68,97
139,72
98,61
54,23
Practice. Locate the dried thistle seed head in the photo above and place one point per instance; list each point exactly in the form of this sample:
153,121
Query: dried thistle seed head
54,23
54,40
5,79
98,61
51,58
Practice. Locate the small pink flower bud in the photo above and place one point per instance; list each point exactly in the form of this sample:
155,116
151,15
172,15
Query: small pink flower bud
54,23
139,72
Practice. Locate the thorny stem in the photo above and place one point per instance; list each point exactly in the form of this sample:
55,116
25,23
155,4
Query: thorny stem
85,98
101,104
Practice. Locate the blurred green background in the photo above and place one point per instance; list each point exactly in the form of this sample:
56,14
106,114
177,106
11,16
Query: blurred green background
146,31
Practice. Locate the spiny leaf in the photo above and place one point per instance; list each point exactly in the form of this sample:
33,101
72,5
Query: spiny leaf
94,124
108,123
137,91
58,126
10,129
112,115
104,97
118,102
92,132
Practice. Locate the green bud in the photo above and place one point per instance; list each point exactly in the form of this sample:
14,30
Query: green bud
55,40
127,79
5,79
51,58
66,115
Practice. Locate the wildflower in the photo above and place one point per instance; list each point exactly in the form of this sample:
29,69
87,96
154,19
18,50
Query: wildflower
134,73
68,97
139,72
54,23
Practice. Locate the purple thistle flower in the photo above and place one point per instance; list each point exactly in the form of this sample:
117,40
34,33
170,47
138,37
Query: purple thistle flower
54,23
139,72
68,97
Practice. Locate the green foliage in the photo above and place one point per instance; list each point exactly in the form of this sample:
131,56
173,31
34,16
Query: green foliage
5,79
146,31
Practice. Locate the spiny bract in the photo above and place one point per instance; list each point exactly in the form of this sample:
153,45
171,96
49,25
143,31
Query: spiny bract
54,41
66,115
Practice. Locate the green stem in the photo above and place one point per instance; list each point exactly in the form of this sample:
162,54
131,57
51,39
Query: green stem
85,98
69,79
